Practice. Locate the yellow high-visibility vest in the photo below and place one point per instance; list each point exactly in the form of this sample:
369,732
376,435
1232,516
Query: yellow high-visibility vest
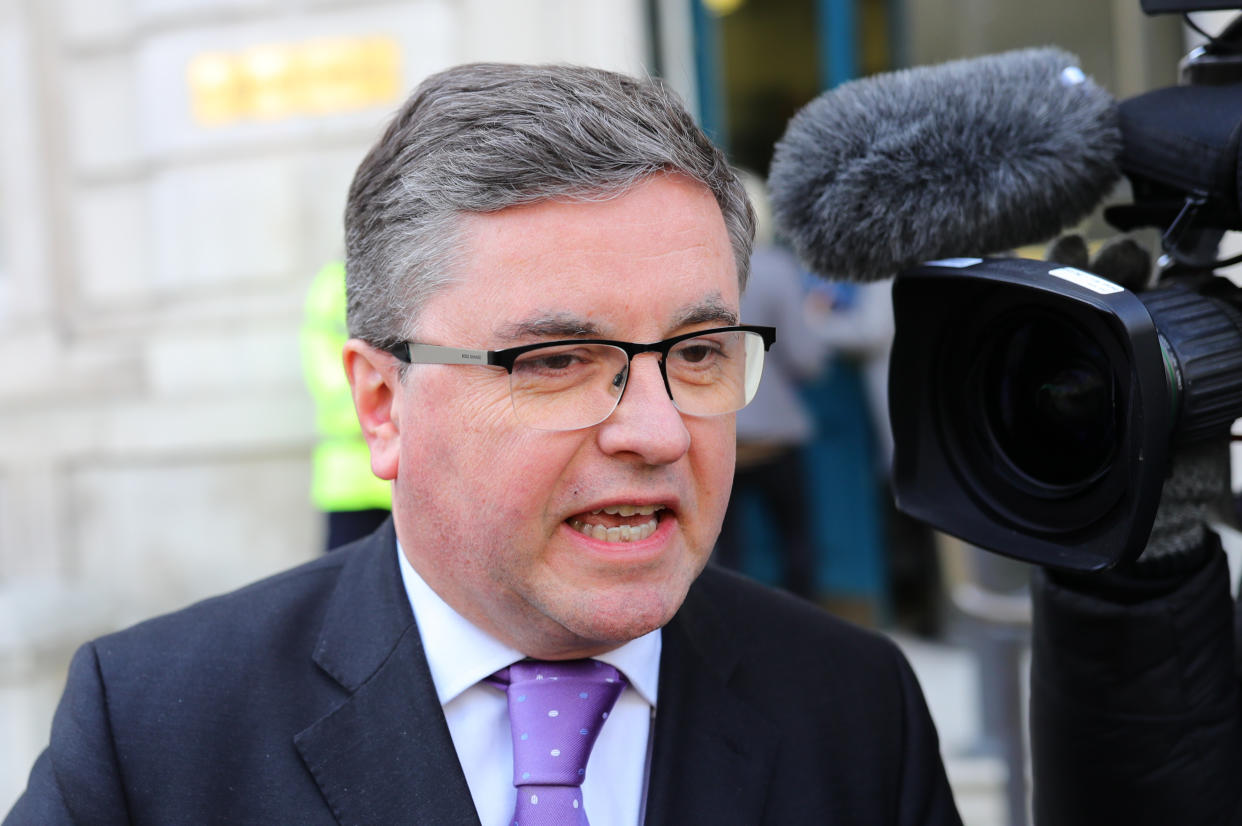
341,477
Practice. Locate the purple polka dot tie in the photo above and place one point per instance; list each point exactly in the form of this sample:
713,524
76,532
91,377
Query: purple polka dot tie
556,710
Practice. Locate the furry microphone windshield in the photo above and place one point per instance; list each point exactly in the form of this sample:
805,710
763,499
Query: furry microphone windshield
969,157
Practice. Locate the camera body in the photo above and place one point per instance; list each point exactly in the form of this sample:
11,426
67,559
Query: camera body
1034,407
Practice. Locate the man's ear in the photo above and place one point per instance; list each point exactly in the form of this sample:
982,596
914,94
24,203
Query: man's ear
373,380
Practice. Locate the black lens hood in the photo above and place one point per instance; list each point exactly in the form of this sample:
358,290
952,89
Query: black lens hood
948,470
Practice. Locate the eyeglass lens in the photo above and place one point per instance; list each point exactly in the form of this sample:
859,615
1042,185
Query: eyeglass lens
571,386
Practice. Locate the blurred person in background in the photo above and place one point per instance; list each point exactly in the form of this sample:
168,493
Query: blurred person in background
859,330
773,430
353,500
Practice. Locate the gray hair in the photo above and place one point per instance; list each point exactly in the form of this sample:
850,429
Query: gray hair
481,137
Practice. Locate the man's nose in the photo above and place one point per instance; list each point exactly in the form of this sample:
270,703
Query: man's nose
646,423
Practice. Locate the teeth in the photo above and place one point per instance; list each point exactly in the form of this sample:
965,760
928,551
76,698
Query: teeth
630,510
622,533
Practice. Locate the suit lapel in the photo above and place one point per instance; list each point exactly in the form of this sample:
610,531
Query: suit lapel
385,754
713,751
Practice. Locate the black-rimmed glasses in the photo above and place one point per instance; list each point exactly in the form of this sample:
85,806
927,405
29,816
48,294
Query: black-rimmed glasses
577,383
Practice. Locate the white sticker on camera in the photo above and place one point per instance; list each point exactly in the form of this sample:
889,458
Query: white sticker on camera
955,263
1085,279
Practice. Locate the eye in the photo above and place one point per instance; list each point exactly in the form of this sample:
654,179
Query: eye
551,361
699,351
561,362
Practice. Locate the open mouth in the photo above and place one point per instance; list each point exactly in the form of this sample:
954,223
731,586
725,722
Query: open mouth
619,523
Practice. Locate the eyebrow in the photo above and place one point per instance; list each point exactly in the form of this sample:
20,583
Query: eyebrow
549,325
713,309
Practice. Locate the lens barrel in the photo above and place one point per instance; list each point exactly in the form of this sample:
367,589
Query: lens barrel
1050,400
1200,331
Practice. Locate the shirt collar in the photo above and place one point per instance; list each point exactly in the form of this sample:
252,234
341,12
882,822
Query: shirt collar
460,654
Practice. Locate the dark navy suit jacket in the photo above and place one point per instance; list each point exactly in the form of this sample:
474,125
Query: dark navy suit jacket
306,699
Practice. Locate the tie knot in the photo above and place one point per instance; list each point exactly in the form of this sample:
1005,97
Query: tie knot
556,710
554,671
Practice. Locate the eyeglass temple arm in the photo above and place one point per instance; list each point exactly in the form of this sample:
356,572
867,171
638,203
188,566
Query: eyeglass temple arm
435,354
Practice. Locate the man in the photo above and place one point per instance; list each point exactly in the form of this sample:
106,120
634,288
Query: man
554,497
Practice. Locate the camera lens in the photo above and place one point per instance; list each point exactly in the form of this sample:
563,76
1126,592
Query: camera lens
1050,404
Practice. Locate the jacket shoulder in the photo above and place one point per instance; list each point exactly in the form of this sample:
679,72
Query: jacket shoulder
756,616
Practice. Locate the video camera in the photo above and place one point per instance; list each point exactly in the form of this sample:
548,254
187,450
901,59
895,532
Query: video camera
1035,406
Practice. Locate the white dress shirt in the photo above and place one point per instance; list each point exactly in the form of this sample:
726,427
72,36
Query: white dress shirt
461,656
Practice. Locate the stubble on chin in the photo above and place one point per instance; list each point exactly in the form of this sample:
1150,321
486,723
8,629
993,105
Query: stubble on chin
610,617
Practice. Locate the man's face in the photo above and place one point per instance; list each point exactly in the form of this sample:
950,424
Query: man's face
498,517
